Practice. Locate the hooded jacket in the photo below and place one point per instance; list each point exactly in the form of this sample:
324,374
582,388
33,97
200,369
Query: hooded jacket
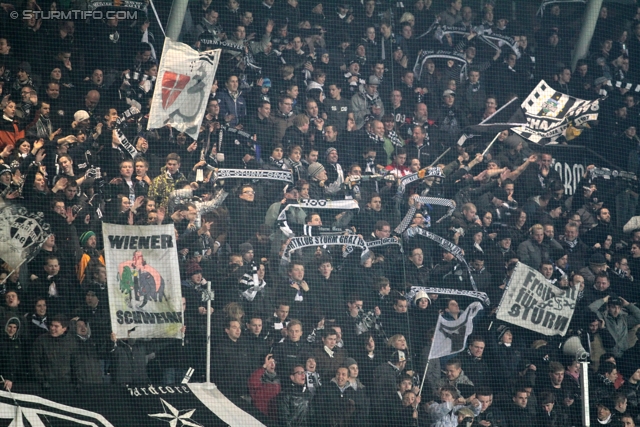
164,184
12,356
618,326
86,360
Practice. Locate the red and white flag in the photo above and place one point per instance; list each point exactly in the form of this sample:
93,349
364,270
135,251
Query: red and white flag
184,82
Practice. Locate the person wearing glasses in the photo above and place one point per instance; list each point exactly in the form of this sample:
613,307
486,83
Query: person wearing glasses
295,406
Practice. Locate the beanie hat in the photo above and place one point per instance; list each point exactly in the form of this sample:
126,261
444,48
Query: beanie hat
193,268
554,204
597,259
349,361
245,247
5,169
607,402
512,141
25,66
557,253
315,169
503,233
420,295
85,237
502,329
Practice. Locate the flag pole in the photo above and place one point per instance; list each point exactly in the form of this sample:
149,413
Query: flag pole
176,18
490,144
439,157
424,375
208,375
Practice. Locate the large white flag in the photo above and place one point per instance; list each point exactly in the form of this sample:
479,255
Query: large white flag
145,297
531,302
21,234
184,82
451,335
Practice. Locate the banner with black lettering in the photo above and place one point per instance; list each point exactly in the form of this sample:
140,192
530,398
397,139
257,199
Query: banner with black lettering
145,297
549,113
531,302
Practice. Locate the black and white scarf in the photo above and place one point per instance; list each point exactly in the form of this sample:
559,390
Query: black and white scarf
395,139
296,243
445,244
313,204
273,175
410,295
377,140
278,163
426,201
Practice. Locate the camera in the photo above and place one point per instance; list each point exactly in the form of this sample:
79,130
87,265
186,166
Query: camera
98,180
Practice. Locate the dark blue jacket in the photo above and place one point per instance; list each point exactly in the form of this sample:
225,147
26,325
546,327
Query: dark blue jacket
228,105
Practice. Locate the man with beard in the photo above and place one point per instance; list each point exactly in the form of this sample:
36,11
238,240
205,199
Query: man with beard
42,128
596,237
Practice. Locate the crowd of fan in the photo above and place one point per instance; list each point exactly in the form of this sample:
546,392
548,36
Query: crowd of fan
326,91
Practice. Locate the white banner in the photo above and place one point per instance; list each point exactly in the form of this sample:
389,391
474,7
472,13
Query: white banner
531,302
180,97
145,298
451,335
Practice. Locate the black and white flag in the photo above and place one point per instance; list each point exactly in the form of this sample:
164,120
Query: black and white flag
549,113
184,405
508,116
21,234
451,335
